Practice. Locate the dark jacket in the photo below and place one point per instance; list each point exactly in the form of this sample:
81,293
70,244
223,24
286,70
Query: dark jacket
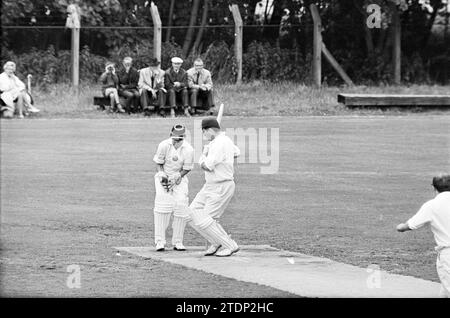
128,80
109,80
171,77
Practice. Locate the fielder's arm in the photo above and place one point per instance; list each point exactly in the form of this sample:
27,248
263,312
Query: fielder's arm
422,217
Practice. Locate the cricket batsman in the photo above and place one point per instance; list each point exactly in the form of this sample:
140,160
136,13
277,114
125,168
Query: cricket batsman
174,159
436,212
210,203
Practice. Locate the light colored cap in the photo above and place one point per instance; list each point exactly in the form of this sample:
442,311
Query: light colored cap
176,60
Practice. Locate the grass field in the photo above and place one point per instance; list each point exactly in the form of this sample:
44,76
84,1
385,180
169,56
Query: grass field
251,99
73,189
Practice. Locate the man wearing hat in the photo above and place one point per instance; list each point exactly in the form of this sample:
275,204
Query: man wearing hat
176,84
151,86
210,203
174,159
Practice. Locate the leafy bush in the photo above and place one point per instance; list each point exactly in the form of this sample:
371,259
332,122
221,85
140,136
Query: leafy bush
440,68
261,61
49,67
414,70
141,57
220,61
265,62
218,58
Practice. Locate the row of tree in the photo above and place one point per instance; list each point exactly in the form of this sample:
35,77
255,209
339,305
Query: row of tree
194,26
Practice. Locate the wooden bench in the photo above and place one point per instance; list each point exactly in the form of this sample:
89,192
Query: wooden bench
386,100
101,101
104,102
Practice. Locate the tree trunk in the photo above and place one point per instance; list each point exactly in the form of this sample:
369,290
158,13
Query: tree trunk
397,50
169,20
388,43
266,11
381,40
190,32
369,40
367,32
202,27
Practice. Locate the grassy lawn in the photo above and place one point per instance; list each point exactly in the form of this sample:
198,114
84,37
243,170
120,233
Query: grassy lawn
73,189
254,99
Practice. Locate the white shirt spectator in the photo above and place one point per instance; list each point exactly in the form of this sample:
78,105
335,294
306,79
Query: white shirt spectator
11,86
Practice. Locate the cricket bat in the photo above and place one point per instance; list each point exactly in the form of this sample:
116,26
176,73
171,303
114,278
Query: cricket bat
220,113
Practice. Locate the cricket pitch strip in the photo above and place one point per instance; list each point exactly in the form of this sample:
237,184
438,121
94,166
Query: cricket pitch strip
297,273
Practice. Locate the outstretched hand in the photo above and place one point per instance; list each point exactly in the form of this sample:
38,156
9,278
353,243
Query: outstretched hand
403,227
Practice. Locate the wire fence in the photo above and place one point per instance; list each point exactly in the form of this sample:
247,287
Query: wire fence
114,42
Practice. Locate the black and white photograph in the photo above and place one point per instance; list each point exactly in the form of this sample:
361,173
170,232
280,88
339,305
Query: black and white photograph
225,156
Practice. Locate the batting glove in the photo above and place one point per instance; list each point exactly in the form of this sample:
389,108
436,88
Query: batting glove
161,174
175,178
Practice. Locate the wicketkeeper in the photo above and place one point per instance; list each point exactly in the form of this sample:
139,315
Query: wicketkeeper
174,159
436,212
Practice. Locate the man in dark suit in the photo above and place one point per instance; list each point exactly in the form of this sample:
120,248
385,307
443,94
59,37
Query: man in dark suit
176,83
128,84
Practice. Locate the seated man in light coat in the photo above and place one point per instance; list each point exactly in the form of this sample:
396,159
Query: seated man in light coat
151,86
200,85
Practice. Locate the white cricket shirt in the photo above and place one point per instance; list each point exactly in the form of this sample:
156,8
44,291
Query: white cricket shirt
437,213
174,160
220,159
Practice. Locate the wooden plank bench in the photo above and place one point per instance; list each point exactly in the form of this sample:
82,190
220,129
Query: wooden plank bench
101,101
385,100
104,102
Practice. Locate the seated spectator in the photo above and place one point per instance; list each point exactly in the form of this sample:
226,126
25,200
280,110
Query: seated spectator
110,82
128,84
176,85
14,97
151,86
200,85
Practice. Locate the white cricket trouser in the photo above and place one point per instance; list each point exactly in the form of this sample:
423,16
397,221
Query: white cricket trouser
214,198
176,202
208,205
443,269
